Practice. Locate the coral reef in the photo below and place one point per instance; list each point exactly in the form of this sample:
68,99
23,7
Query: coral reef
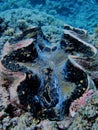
21,19
72,12
87,115
48,73
40,67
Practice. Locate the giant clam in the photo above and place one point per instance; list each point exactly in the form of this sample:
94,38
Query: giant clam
45,78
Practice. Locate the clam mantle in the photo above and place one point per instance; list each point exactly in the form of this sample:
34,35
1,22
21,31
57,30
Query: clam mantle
46,78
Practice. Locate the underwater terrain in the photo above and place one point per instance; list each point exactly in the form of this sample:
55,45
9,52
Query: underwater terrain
48,65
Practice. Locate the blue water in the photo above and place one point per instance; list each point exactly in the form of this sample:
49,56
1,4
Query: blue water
78,13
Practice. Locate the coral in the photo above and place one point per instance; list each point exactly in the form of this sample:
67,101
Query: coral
9,32
48,61
80,102
22,24
65,10
96,29
50,26
86,117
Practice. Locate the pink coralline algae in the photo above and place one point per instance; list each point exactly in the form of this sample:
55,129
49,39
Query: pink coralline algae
80,102
48,79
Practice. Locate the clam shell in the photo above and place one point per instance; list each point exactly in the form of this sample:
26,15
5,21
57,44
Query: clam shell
45,79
